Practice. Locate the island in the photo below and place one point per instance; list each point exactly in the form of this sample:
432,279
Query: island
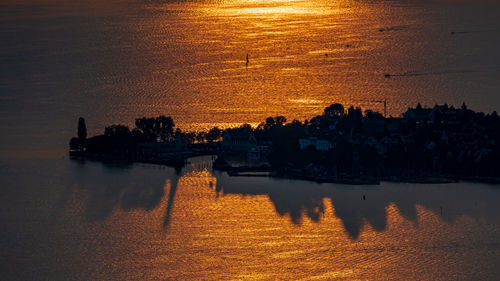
424,145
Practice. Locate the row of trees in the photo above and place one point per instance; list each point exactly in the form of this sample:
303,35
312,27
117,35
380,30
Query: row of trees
335,124
120,138
162,128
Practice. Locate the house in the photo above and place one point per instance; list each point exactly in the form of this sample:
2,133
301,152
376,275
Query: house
318,144
374,126
161,150
376,144
238,140
437,114
481,154
333,127
444,138
419,114
430,146
393,125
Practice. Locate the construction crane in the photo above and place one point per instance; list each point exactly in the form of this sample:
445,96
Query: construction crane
385,105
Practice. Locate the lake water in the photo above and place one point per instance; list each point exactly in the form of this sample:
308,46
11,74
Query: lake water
113,61
69,220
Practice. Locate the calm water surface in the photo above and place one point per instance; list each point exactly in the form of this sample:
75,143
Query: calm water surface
113,61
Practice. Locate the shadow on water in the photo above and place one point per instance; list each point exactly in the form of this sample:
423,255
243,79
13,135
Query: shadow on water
124,185
171,196
118,184
357,205
109,186
298,199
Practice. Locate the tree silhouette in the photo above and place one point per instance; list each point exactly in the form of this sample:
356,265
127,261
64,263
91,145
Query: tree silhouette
165,127
74,144
334,110
82,129
214,134
279,120
160,127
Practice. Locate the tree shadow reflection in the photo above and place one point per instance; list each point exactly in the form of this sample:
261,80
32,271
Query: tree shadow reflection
357,205
174,181
118,184
124,186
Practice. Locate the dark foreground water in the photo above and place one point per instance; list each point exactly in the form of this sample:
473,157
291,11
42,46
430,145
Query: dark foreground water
111,61
68,220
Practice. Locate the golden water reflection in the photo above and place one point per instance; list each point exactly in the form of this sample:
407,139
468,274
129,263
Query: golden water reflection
207,225
151,222
305,231
326,51
272,9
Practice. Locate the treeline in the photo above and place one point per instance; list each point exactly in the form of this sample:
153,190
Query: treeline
454,142
416,146
120,140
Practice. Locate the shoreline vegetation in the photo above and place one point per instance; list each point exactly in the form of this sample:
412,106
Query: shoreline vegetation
425,145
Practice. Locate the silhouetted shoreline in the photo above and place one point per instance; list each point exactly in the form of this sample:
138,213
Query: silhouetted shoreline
425,145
